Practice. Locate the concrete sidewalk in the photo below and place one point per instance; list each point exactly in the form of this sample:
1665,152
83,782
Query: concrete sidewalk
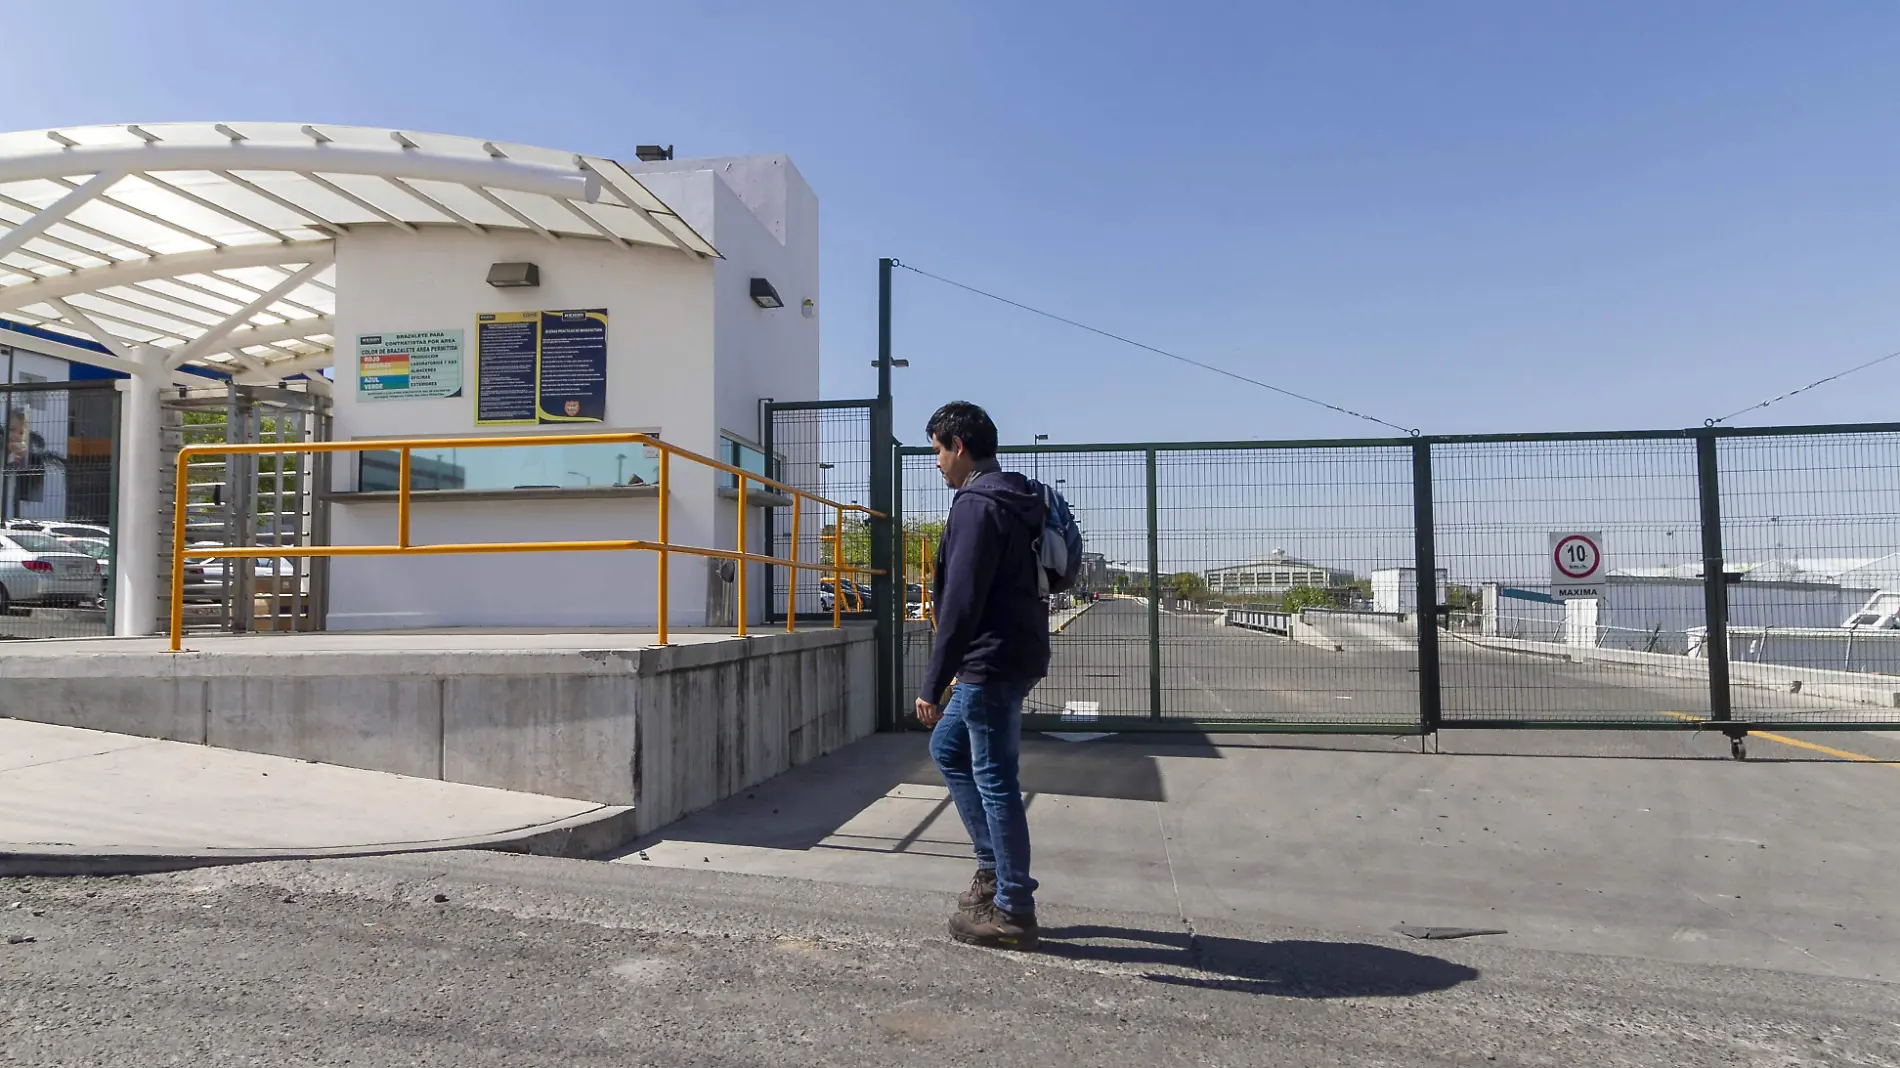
1629,844
76,801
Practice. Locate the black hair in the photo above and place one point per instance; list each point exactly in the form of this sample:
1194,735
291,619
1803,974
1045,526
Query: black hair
965,422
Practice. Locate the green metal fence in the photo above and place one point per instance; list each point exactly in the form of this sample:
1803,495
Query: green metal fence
58,502
1739,581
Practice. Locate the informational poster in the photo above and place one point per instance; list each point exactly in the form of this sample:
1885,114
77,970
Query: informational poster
507,359
541,367
573,383
417,365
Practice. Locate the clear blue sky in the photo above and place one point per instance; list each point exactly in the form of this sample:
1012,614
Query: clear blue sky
1458,216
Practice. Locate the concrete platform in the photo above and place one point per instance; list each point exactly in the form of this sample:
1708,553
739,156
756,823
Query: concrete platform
457,640
81,802
611,717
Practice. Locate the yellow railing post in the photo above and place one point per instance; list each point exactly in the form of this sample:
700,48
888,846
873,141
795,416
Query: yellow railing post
660,535
740,577
402,502
923,582
181,487
791,578
837,574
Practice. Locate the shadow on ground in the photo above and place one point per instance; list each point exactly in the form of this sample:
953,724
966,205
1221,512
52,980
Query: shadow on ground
1289,969
807,805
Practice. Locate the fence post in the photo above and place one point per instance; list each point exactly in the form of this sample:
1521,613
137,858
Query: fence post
112,518
8,480
884,607
766,418
1154,593
1714,580
899,623
1425,563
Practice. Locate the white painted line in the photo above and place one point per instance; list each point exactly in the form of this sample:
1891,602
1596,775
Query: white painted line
1082,710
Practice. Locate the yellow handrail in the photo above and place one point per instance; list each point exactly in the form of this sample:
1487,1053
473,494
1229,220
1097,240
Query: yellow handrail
403,547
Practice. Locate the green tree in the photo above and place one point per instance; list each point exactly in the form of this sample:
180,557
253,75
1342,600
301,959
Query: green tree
1300,597
921,537
1188,586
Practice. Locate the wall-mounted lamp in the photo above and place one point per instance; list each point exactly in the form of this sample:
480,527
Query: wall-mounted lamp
764,295
807,308
514,275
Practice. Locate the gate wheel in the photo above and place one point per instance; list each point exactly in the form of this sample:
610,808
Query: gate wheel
1738,746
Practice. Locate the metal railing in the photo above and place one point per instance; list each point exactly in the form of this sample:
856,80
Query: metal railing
661,544
1280,623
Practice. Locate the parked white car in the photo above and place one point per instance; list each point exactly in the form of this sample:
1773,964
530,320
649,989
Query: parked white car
271,575
99,549
60,528
39,569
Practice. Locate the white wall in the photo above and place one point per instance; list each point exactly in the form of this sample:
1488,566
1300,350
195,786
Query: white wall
1395,589
763,218
1655,615
660,353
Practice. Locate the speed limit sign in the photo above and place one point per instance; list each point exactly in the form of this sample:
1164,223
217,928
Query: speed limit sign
1576,564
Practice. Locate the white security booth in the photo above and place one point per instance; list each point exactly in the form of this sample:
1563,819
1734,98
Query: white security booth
435,287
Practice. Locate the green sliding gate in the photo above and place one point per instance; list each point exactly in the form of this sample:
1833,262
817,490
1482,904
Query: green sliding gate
1731,579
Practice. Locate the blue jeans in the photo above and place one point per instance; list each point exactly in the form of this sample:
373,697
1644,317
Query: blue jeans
976,746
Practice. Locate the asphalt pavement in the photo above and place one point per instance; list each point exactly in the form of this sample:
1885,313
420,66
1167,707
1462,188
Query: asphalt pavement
24,623
1345,673
1509,897
471,960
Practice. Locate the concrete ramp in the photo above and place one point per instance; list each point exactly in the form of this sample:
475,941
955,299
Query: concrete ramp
1355,632
83,802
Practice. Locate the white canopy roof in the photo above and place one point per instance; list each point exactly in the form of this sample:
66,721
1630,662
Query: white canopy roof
215,241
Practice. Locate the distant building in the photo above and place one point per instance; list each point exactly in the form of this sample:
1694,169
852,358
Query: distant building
1662,609
1395,589
1273,577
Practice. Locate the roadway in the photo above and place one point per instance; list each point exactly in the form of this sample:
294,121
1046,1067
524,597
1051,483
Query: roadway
474,960
29,623
1348,672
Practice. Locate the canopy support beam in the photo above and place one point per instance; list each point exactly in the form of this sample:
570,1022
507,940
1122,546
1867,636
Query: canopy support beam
203,343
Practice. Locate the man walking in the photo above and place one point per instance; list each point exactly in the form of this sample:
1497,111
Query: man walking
993,644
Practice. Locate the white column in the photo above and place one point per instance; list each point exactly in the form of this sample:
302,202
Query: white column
135,582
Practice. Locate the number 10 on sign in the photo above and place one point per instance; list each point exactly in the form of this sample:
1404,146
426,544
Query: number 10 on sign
1576,564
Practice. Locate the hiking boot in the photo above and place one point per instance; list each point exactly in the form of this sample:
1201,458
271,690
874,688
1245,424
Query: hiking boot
982,890
987,925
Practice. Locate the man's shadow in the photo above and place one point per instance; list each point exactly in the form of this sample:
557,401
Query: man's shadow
1291,969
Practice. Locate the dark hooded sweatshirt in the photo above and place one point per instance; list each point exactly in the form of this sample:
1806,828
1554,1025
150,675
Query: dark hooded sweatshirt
992,625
